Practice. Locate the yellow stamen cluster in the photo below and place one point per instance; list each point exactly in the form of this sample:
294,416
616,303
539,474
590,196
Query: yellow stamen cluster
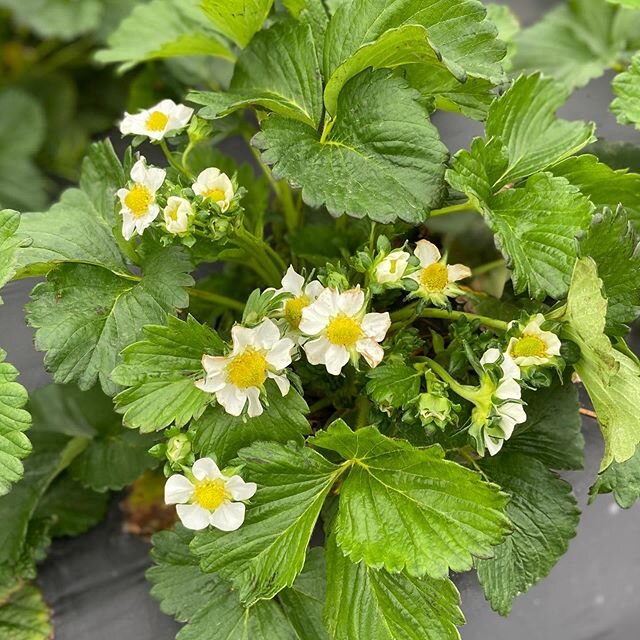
249,369
138,200
530,346
210,494
157,121
293,310
344,331
217,195
435,277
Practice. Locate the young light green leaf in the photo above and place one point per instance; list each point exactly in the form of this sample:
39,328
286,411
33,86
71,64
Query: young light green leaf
544,514
366,603
362,165
9,243
239,20
621,479
626,86
25,615
160,372
393,385
409,509
508,27
611,378
85,315
221,435
268,551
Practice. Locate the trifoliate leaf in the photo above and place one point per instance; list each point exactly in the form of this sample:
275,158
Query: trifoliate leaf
544,514
621,479
160,372
9,243
278,71
303,603
239,20
25,616
221,435
393,385
85,315
14,421
577,41
613,244
362,164
552,433
204,600
268,551
611,378
366,603
409,509
626,86
163,29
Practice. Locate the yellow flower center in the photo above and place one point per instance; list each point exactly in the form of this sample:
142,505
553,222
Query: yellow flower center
249,369
344,331
217,195
157,121
435,277
210,494
293,310
172,212
138,200
393,265
530,346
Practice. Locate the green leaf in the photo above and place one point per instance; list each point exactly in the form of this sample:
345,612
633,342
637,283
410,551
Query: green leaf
239,20
363,164
621,479
9,221
409,509
222,435
577,41
85,315
393,385
377,605
613,244
14,421
268,551
544,514
278,71
204,600
626,86
304,601
631,4
552,433
160,372
163,29
508,28
611,378
25,616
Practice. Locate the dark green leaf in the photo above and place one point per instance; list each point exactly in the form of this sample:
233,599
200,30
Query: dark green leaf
25,616
626,86
239,20
621,479
393,385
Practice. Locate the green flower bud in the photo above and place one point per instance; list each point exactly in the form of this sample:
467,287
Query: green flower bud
178,449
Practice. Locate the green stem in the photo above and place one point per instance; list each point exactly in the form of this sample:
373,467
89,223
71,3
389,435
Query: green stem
173,162
321,404
466,392
363,406
262,255
445,314
454,208
216,298
488,267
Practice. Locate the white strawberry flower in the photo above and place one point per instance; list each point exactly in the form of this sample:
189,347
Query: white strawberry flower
301,296
506,401
391,269
216,186
139,208
534,347
157,122
207,497
436,280
238,379
342,330
177,215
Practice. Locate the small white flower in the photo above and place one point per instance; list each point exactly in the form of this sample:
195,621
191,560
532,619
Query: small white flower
214,185
139,208
157,122
391,269
534,346
238,378
436,280
302,296
509,408
208,497
344,330
177,215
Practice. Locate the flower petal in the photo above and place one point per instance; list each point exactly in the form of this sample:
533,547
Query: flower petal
228,517
232,399
371,350
376,325
427,253
211,384
292,282
279,356
206,469
313,290
177,489
335,357
242,338
282,383
255,406
239,489
316,350
267,334
193,516
493,446
315,317
458,272
351,302
490,356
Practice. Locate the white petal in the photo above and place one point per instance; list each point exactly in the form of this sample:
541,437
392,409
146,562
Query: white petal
376,325
335,358
315,318
267,334
232,399
316,350
139,170
154,178
206,469
255,406
508,389
490,356
292,282
177,489
514,411
228,517
313,290
211,384
239,489
493,446
458,272
282,382
193,516
128,225
509,367
427,253
279,356
553,343
242,338
371,350
214,364
351,302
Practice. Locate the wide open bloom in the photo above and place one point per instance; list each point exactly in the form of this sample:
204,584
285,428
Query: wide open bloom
390,270
207,497
343,330
164,118
436,280
302,296
177,215
139,208
216,186
534,347
238,379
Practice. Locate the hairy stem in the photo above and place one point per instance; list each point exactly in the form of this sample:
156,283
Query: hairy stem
216,298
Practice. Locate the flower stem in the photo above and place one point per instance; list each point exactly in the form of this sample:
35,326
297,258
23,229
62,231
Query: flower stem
454,208
445,314
216,298
464,391
262,254
173,162
488,267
